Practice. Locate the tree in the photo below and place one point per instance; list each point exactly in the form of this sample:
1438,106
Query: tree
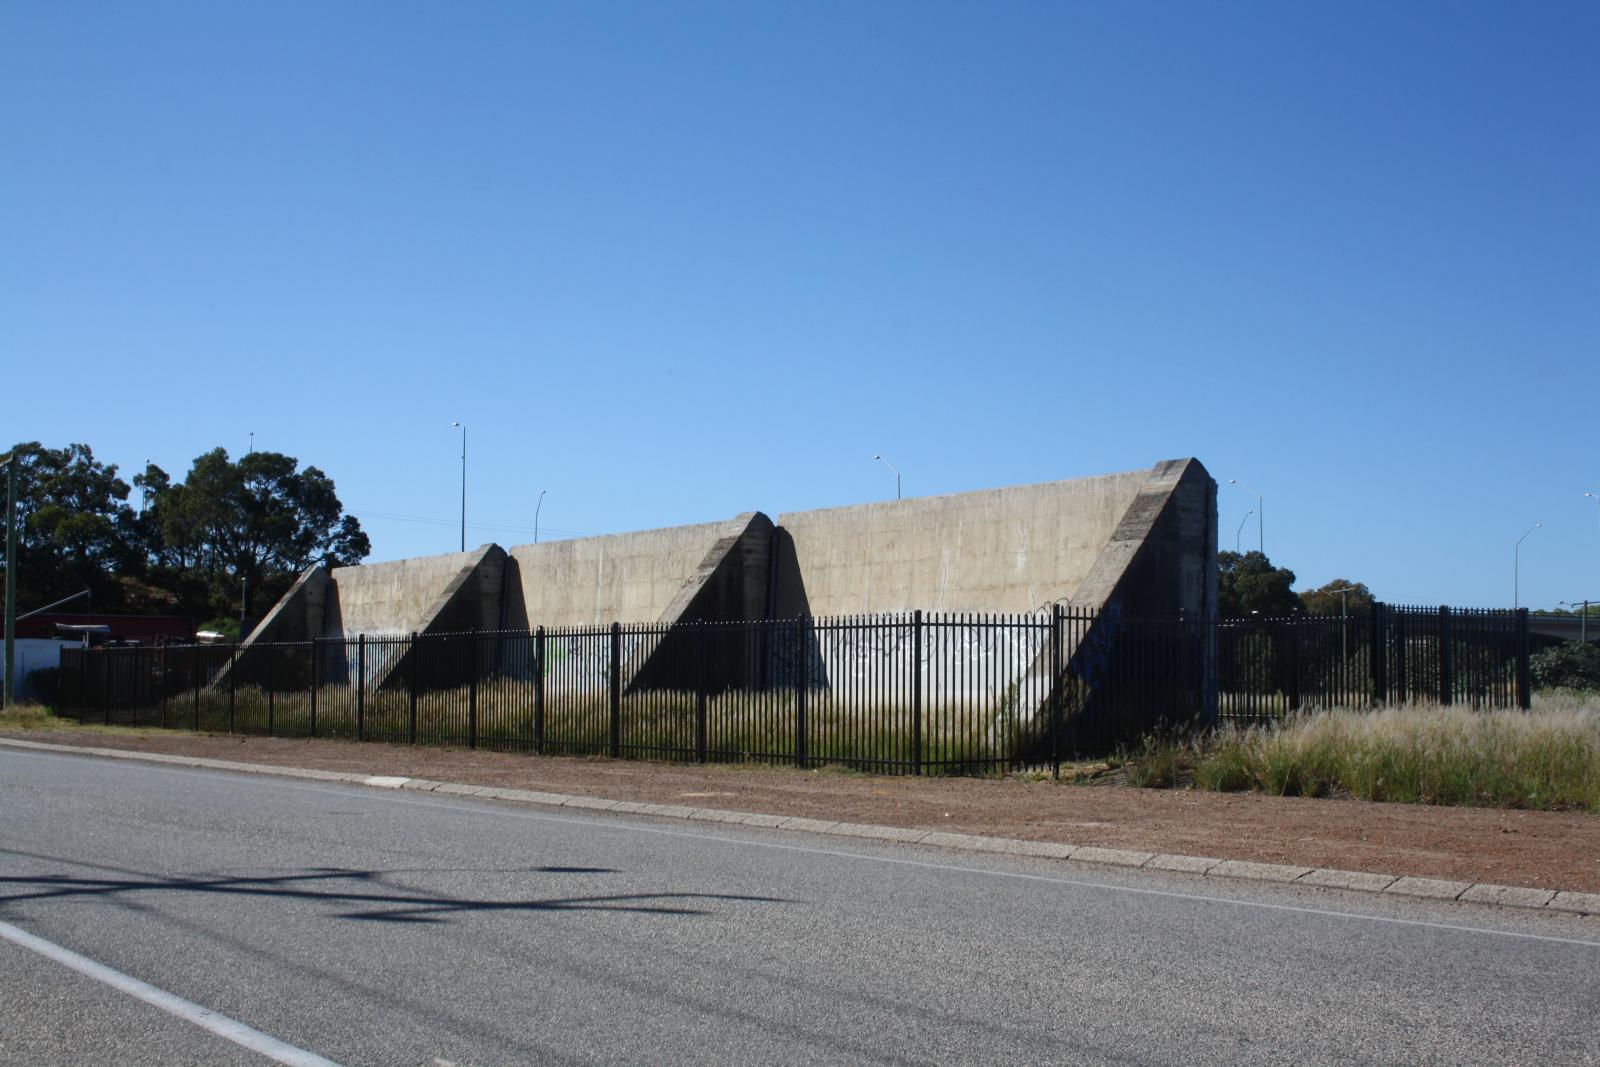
1356,600
233,534
1248,583
75,530
1569,665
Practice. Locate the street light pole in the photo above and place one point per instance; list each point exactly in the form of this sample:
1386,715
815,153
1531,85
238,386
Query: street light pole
886,463
463,427
1240,530
536,508
1516,568
1344,620
1583,620
1261,515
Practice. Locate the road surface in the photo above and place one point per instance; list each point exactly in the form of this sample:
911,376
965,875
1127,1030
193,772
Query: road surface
362,926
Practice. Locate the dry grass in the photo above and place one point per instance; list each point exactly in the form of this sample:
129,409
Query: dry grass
32,717
1546,758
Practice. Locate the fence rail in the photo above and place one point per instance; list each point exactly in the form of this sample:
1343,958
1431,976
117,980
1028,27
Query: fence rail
914,693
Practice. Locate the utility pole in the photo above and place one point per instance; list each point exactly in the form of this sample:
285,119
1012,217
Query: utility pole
10,695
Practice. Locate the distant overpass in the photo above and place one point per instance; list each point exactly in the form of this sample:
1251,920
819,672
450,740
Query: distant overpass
1563,627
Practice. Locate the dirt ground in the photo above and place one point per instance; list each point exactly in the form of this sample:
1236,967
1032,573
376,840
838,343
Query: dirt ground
1551,850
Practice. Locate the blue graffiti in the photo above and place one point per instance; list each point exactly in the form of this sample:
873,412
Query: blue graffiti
1093,661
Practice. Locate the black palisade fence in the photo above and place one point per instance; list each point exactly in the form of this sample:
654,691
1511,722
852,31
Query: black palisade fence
913,693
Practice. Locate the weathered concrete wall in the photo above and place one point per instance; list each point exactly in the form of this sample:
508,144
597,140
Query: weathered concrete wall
299,613
410,595
998,550
711,570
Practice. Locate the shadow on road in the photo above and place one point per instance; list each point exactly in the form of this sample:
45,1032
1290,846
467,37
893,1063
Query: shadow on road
370,893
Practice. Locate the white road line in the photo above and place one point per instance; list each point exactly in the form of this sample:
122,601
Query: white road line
187,1010
490,806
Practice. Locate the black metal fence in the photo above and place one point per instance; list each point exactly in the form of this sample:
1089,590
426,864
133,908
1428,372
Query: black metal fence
1266,668
915,693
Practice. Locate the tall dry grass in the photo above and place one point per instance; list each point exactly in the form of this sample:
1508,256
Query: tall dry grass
1546,758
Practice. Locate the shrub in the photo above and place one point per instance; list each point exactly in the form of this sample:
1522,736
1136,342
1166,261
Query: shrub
1569,665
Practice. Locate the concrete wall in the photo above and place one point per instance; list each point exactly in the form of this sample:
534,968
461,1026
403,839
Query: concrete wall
409,595
998,550
1136,544
717,569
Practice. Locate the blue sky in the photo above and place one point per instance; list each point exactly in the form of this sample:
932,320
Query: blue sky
670,262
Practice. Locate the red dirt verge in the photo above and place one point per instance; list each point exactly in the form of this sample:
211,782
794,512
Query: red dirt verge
1546,850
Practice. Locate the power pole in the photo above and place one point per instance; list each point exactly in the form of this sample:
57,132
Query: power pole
10,696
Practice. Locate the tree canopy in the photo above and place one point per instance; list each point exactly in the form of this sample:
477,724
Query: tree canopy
1248,583
235,532
1355,599
230,534
75,530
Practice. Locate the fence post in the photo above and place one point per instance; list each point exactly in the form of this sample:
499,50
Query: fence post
314,676
474,646
616,690
1377,666
196,673
1055,690
412,655
233,685
700,692
1296,636
802,682
361,687
1524,676
105,688
916,691
1446,658
271,654
538,690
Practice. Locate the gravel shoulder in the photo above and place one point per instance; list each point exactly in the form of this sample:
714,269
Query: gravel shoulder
1550,850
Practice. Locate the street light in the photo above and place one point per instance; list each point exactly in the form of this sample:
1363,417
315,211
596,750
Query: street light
1240,530
1583,620
886,463
536,508
1261,514
1516,565
463,427
1593,496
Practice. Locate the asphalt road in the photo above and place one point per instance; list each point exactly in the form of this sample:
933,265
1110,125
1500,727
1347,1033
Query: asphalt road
371,927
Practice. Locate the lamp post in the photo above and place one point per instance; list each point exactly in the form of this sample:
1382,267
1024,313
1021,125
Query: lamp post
1583,620
1344,621
1516,568
252,443
1261,515
463,428
1240,530
886,463
536,508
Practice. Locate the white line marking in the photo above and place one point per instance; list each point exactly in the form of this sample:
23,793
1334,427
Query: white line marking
615,823
187,1010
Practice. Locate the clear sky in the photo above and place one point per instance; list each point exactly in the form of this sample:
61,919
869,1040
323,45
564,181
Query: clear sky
671,262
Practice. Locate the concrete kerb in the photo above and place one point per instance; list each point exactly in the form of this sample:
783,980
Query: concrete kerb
1566,901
